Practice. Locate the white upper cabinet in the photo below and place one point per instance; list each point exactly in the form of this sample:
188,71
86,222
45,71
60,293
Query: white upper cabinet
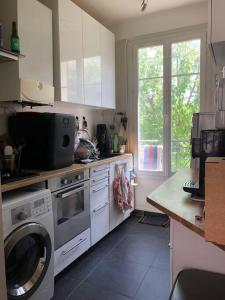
92,61
70,52
216,33
84,57
35,71
35,32
107,41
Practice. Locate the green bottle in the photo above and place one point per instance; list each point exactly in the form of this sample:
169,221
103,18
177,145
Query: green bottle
15,41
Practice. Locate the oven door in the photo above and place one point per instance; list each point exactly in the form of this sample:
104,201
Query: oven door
71,208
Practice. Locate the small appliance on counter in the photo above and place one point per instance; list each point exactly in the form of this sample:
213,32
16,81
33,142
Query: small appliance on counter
102,138
210,144
47,139
220,102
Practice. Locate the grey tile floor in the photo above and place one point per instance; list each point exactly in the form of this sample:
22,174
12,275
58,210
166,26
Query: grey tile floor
132,262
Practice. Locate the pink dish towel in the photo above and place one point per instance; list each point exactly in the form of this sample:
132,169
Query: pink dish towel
122,192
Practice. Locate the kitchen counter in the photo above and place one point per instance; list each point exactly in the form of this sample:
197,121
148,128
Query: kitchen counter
45,175
173,201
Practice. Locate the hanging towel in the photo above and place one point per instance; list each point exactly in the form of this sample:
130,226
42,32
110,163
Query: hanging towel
122,192
150,157
154,157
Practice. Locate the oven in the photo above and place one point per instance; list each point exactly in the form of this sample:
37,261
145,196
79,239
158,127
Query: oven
71,206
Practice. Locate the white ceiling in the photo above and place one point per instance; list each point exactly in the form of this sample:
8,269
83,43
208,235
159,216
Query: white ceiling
110,12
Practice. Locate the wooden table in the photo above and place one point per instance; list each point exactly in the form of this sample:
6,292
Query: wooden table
177,204
188,247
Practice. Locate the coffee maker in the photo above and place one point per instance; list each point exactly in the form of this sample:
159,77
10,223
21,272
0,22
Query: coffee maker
210,144
102,138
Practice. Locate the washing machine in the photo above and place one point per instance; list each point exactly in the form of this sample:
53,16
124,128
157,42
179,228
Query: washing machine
29,244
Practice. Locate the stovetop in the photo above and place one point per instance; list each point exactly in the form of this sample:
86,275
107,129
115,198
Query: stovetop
86,161
7,178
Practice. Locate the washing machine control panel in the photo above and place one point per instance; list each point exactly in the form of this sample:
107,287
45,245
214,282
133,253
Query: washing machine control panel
34,208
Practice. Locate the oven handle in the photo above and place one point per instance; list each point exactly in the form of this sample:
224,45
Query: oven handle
70,193
98,190
68,251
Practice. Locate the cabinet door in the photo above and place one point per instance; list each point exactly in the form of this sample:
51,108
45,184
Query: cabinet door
35,32
108,67
70,40
91,61
99,211
99,223
217,20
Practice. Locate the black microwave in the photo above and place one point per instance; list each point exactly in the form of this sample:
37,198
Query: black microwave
46,139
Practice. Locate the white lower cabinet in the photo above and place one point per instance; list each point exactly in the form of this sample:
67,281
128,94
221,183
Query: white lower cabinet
99,202
69,252
99,222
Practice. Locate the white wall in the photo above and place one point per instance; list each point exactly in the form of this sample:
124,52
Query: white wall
93,116
162,21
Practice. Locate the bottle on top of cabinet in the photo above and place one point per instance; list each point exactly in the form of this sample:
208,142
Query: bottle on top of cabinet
15,41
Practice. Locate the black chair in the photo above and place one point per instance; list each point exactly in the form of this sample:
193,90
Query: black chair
194,284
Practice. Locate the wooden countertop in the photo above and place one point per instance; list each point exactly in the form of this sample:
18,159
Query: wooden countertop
45,175
173,201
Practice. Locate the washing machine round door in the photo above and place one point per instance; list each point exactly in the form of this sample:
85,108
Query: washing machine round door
28,251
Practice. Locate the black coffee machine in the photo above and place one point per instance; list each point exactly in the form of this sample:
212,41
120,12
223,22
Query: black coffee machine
103,141
210,144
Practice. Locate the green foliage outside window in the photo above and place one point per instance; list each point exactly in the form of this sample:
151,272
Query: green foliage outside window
185,97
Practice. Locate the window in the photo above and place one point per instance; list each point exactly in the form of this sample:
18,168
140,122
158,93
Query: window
168,95
185,99
150,108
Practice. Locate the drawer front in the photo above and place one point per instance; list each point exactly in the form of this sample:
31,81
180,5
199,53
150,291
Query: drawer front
100,178
69,252
99,194
99,222
96,171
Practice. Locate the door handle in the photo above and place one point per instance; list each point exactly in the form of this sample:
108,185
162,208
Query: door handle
80,241
100,189
100,208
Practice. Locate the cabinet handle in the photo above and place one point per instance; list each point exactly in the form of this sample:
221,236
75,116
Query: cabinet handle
98,190
100,208
97,180
80,241
100,170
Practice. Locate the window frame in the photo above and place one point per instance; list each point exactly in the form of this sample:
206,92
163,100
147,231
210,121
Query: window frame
166,39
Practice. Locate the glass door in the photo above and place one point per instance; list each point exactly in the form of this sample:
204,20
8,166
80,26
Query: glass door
185,99
169,85
151,108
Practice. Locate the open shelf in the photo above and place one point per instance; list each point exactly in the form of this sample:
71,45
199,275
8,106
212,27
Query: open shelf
7,56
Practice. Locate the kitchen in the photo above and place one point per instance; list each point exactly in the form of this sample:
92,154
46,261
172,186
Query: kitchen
94,69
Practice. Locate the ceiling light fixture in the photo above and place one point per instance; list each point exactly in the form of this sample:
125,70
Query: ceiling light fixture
144,5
